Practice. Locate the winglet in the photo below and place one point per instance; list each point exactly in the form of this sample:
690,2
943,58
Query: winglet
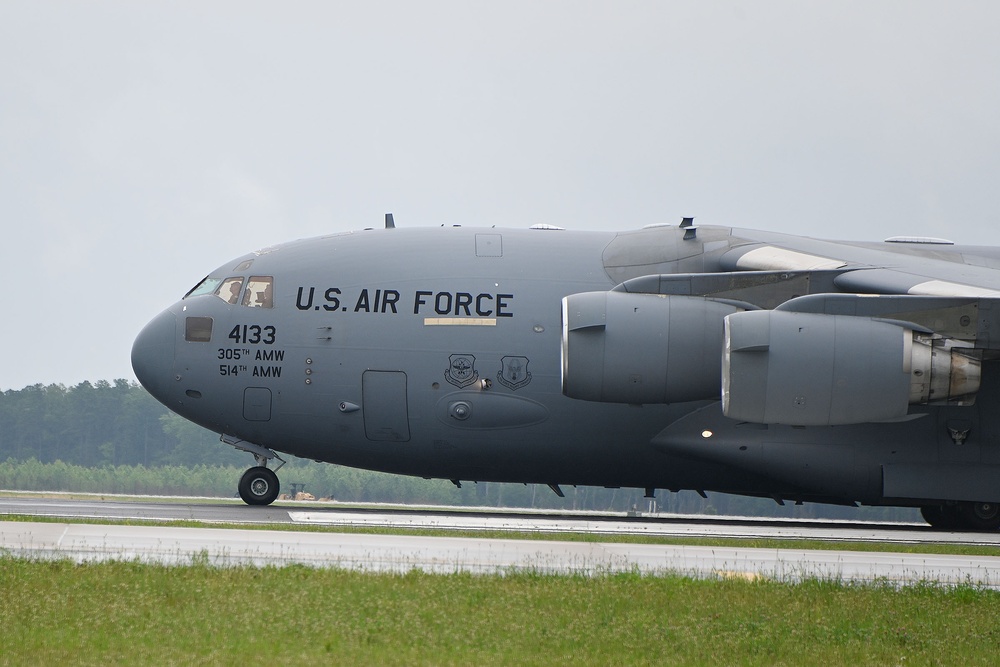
389,222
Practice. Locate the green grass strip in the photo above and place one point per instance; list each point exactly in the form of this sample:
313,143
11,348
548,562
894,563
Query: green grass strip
127,613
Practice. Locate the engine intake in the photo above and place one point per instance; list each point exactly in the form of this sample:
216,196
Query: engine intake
810,369
642,348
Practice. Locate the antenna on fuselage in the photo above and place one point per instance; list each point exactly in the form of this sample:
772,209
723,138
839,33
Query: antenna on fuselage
389,222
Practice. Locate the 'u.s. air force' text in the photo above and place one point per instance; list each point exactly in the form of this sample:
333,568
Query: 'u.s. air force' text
392,302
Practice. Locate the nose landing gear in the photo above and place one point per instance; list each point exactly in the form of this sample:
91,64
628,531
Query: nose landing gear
258,485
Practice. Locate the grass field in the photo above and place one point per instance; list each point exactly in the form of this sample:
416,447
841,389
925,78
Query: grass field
127,613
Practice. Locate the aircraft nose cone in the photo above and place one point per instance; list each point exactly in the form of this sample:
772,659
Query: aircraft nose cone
153,354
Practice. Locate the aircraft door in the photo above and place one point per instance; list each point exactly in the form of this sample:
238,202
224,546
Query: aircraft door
257,404
383,396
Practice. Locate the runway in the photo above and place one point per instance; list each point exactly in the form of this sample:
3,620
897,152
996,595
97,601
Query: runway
485,519
400,553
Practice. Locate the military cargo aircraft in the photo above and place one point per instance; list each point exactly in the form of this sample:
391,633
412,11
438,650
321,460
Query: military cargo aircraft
670,357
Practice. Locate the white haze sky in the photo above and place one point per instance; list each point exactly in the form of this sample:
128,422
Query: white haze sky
142,144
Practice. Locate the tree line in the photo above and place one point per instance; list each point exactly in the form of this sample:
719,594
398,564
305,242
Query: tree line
101,424
113,437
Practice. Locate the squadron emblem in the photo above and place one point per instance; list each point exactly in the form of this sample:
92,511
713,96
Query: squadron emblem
514,372
461,370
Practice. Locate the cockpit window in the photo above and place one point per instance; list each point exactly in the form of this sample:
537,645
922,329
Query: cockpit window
206,286
229,290
243,266
259,292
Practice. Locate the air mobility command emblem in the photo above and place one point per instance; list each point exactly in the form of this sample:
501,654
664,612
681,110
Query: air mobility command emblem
461,370
514,372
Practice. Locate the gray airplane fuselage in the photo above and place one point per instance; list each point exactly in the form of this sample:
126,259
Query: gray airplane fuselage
441,352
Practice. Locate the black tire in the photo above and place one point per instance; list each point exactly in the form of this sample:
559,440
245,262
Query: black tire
259,486
979,516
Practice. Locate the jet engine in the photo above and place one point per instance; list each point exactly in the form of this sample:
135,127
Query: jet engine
810,369
619,347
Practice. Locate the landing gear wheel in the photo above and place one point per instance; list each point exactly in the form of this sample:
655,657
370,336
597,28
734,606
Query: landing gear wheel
258,486
979,516
963,516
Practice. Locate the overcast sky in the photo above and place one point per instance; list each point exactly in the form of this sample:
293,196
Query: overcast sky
142,144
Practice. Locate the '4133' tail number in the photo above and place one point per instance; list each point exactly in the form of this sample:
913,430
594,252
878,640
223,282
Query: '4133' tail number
252,334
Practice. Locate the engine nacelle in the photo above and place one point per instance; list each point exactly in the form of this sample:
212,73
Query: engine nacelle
810,369
642,348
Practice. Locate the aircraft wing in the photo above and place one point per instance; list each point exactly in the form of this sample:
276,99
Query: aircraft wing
865,277
816,330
